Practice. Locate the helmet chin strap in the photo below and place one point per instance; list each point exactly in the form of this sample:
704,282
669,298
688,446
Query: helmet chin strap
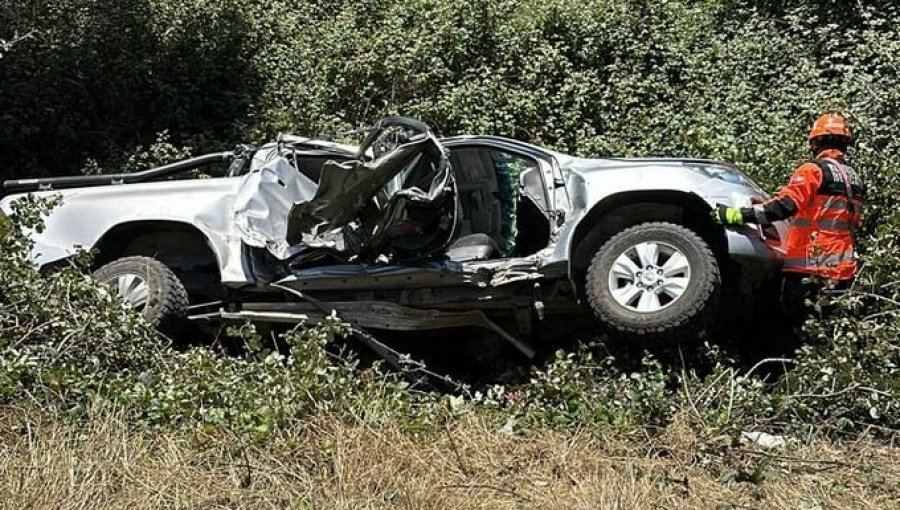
815,148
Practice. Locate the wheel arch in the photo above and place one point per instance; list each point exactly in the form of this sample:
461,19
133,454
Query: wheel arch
182,247
623,210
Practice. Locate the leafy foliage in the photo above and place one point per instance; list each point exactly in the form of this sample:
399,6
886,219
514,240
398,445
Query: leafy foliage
739,80
849,374
733,80
69,343
61,333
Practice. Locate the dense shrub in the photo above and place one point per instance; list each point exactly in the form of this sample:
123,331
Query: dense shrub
60,334
735,80
738,80
848,375
71,344
68,343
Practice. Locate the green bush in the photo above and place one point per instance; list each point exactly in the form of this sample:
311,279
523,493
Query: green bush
738,80
848,375
71,344
578,389
734,80
61,334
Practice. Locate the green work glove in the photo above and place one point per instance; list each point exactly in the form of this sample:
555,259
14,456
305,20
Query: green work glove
727,215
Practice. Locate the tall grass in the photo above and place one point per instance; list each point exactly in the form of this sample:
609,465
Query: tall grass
326,463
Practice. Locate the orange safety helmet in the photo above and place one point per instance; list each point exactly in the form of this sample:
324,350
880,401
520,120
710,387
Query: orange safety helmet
830,124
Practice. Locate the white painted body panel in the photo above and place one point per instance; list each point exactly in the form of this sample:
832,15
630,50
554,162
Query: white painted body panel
86,214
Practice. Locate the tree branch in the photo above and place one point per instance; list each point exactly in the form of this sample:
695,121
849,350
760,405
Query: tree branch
7,45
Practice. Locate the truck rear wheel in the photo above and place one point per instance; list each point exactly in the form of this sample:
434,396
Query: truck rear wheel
654,281
150,288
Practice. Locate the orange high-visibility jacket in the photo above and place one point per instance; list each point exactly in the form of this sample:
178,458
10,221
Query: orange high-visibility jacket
823,200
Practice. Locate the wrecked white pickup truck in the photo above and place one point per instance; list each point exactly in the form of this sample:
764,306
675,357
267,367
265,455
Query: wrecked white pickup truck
409,232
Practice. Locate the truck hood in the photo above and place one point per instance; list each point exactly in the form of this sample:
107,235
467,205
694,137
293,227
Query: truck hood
708,168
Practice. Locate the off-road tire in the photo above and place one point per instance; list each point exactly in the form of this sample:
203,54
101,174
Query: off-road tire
681,321
167,305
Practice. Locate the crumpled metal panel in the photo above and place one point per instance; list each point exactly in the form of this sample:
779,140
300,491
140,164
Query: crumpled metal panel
344,189
497,273
263,203
433,273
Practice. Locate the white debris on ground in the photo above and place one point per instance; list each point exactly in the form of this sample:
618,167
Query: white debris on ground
507,428
762,439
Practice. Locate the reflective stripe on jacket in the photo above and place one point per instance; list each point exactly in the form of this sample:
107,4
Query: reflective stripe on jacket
823,200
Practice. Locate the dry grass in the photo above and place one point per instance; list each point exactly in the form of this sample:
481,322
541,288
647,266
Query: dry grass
48,464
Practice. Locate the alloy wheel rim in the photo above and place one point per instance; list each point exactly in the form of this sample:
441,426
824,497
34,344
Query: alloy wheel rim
133,289
649,277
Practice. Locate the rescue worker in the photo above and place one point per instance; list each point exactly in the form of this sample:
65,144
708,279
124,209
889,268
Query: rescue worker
822,201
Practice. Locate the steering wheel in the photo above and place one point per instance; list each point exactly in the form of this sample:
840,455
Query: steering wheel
388,133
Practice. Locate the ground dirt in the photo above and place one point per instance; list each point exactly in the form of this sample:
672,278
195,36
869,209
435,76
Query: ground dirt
47,463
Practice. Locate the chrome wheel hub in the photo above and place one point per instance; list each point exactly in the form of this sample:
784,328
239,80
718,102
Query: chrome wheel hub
132,289
649,277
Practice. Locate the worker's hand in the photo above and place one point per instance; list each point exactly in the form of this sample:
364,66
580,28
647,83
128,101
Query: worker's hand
727,215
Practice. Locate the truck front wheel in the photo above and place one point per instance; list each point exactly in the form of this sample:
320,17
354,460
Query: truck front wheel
655,281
